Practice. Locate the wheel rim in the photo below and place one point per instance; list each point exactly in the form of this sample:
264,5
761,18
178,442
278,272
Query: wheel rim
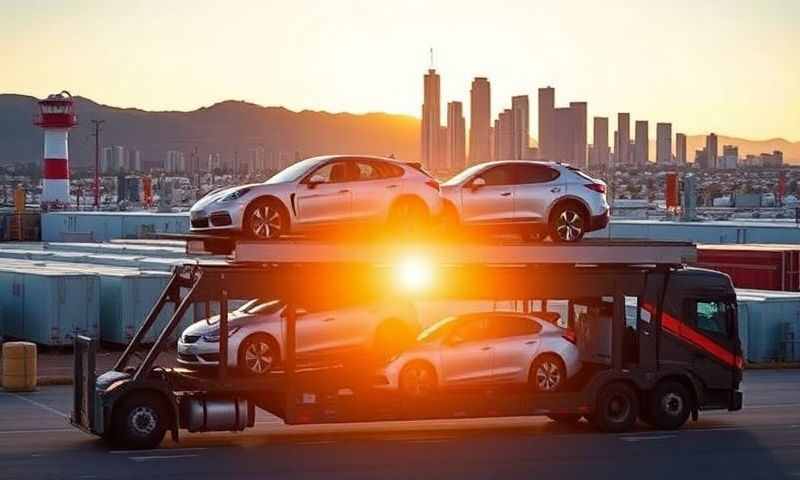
143,420
569,225
672,404
618,408
417,381
548,376
258,357
265,222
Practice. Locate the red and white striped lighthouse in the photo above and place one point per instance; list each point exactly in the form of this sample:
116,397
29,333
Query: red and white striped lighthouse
56,117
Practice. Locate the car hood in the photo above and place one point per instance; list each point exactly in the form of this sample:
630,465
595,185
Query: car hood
235,319
220,194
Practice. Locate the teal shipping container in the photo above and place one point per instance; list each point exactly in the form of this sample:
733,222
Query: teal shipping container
769,325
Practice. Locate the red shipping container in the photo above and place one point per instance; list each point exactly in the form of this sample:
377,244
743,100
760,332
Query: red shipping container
763,267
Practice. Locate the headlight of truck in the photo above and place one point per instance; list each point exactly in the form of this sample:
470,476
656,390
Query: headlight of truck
213,336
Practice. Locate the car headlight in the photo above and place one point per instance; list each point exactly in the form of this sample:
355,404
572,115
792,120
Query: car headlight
213,336
235,195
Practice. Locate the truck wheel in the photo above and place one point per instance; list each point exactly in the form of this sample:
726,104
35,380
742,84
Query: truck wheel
617,408
670,406
140,421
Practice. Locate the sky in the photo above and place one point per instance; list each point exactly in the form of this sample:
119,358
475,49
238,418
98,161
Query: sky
727,66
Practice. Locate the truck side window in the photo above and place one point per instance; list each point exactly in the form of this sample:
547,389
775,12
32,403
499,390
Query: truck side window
713,317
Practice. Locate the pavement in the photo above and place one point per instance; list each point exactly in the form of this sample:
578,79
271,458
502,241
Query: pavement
761,441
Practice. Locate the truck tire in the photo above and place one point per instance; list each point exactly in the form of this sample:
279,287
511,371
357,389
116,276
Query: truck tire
616,409
670,406
140,421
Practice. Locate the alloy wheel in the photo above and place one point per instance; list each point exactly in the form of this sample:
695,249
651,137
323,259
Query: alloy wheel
548,377
258,357
265,222
569,225
418,381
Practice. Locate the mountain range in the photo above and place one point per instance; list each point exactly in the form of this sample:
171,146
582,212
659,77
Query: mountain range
236,126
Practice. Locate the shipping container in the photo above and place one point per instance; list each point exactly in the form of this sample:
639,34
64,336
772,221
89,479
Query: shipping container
769,324
48,306
105,226
763,267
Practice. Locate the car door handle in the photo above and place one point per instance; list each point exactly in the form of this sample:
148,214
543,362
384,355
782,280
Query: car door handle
505,194
483,349
555,189
391,186
531,342
344,191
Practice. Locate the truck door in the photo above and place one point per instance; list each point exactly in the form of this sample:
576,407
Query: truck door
710,328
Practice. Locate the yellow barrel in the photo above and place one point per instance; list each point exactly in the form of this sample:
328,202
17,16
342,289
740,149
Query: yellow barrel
19,366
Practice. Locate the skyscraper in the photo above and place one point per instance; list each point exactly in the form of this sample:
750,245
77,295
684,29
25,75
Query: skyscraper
680,149
504,135
564,135
480,119
521,127
600,143
624,138
711,150
547,102
641,152
456,158
579,125
663,142
431,124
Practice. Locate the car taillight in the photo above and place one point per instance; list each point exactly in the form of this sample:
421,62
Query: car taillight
433,184
569,335
597,187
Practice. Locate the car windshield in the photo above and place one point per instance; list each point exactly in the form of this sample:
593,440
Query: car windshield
295,171
465,174
437,330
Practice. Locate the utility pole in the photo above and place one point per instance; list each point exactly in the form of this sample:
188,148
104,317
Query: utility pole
97,128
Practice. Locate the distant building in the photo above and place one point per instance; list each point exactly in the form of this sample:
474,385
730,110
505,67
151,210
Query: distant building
680,149
564,135
772,160
600,154
547,130
456,132
579,125
730,157
480,119
133,161
175,162
520,127
663,142
503,135
701,159
106,159
712,150
431,124
624,137
641,150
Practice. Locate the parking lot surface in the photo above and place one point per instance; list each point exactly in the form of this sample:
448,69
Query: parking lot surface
761,441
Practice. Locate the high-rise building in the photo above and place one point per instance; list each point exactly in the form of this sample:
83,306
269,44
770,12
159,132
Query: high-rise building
680,148
431,124
133,162
730,157
641,150
663,142
175,162
564,135
456,131
480,120
600,151
624,138
547,102
579,125
504,135
521,127
701,159
711,150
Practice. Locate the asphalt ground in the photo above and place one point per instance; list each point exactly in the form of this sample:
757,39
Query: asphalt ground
761,441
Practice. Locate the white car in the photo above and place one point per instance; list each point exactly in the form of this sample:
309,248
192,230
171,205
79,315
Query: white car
321,192
257,335
480,349
531,198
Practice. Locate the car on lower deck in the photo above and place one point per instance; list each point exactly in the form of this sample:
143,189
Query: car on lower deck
485,349
256,333
534,199
321,193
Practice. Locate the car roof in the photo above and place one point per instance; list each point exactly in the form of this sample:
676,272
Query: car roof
524,162
324,158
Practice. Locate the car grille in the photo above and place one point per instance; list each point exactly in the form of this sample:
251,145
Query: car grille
187,358
210,357
221,219
190,338
200,223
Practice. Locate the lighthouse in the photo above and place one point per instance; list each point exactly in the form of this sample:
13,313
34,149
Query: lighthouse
56,117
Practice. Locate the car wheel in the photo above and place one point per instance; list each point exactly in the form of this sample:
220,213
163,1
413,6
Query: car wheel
670,406
409,215
617,408
140,421
548,374
418,380
565,418
265,219
258,355
568,223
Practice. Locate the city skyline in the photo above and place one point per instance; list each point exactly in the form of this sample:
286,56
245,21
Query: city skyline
375,63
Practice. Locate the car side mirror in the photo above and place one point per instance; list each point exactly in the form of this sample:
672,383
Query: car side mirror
477,183
315,180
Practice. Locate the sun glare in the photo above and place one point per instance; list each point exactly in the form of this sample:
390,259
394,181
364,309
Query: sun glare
413,274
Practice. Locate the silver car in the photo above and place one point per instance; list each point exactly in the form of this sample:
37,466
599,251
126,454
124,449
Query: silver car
480,349
257,335
532,198
321,192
